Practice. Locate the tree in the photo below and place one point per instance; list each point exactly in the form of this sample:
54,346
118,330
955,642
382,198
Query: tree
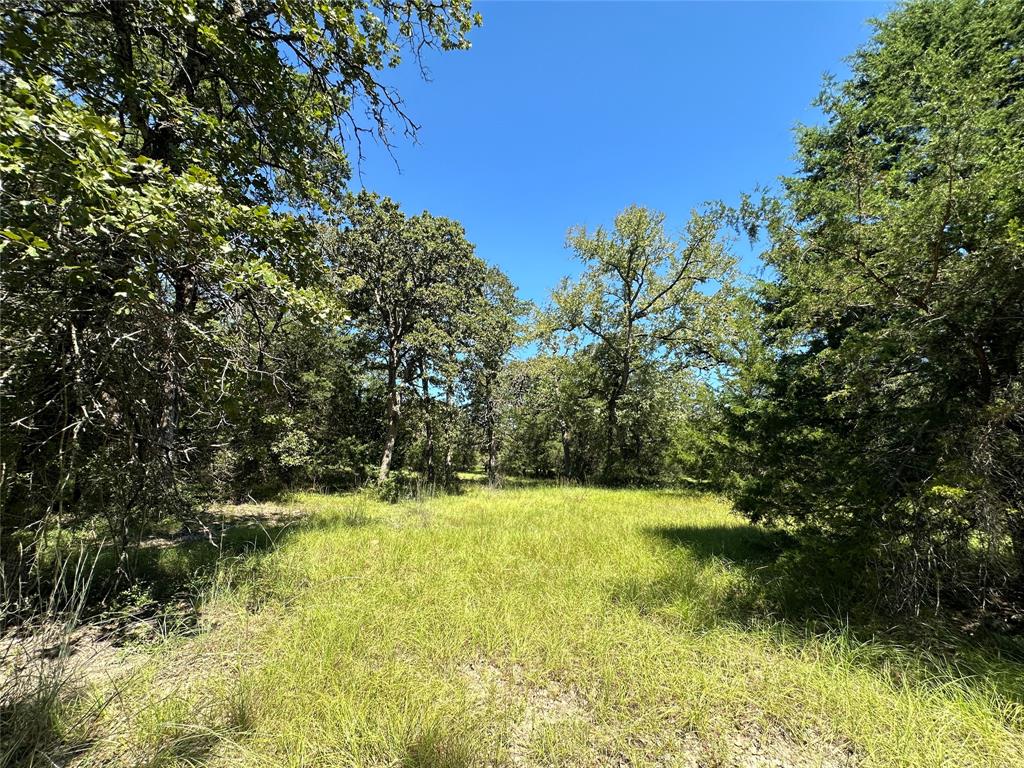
259,93
891,412
110,393
643,300
495,330
149,150
547,416
412,282
309,416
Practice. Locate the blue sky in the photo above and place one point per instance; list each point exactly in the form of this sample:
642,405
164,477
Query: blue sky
565,113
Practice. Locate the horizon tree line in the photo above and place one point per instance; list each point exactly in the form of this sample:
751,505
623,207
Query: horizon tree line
196,307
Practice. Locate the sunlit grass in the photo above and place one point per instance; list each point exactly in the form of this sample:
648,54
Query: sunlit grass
537,626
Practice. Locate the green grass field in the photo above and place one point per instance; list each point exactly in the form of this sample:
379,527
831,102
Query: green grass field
535,626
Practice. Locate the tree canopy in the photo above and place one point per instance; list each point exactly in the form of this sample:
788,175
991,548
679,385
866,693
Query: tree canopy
890,413
196,307
156,157
643,304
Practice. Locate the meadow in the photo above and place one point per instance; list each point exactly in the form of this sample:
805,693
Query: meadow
529,626
209,311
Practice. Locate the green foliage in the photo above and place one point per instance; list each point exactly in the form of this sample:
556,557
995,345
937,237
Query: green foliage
117,276
308,419
888,407
259,94
549,418
432,313
646,310
496,317
155,156
400,485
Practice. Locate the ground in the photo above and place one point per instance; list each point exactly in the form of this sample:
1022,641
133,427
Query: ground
531,626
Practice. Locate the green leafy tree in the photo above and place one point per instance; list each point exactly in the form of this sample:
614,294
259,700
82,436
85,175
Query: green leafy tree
495,330
412,284
890,413
309,416
644,300
148,151
259,93
548,417
109,391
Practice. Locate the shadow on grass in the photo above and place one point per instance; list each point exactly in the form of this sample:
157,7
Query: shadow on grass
751,577
157,584
168,569
56,727
746,545
192,749
435,748
45,716
35,728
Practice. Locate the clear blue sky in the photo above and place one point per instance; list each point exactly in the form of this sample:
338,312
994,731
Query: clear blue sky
564,113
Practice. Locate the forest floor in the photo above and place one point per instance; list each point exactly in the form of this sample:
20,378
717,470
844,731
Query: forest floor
531,626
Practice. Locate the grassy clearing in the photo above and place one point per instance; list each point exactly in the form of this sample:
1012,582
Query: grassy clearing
534,626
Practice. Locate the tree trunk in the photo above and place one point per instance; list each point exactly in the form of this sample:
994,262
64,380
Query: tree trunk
613,450
393,414
428,429
492,455
449,456
449,452
161,141
612,430
492,440
566,449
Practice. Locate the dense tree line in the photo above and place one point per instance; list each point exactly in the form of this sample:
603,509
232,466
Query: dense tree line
167,167
883,409
195,307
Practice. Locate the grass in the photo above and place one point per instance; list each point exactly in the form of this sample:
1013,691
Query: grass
537,626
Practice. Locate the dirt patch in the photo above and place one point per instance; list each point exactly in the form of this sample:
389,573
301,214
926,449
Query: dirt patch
538,706
756,747
51,653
